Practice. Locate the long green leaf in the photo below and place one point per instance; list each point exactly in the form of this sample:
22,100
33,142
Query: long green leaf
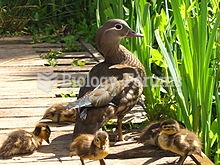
171,65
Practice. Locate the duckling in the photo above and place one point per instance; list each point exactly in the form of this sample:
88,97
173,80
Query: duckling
23,142
89,146
180,141
149,135
58,113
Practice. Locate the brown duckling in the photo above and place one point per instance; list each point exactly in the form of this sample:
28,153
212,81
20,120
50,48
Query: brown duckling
58,113
89,146
23,142
180,141
149,135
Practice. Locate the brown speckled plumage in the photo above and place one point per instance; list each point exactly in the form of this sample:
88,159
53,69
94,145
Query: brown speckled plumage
180,141
123,84
58,113
150,134
89,146
23,142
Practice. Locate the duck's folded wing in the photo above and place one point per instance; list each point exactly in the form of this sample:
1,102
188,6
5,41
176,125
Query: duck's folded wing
107,91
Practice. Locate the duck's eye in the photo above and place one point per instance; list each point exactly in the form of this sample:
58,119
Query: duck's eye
118,26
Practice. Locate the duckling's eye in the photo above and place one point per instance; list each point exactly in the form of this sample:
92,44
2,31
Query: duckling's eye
118,26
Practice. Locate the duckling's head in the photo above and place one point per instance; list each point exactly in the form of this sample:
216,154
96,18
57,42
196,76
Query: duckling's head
169,126
49,115
112,31
101,140
43,131
149,134
53,112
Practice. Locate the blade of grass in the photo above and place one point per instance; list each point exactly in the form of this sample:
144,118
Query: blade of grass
172,68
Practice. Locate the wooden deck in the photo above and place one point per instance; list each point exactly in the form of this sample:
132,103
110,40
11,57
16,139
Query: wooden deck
22,104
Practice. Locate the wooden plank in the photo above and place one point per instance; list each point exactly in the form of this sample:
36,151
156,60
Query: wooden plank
56,129
30,102
202,160
35,92
93,51
24,62
88,61
73,68
6,123
75,55
25,69
22,111
19,39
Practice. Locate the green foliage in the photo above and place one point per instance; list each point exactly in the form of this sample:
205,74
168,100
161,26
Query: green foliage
180,48
78,62
182,39
67,95
162,108
196,46
52,56
71,44
15,15
53,19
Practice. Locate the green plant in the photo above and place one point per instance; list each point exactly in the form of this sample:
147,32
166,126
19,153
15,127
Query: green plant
71,44
51,57
67,95
78,62
180,37
196,36
15,15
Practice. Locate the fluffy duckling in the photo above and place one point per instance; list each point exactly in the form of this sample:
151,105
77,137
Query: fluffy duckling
58,113
23,142
149,135
180,141
89,146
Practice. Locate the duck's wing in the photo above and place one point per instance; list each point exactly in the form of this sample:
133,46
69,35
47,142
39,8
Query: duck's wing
112,89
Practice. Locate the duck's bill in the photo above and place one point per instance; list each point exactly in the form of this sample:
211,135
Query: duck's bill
48,141
132,33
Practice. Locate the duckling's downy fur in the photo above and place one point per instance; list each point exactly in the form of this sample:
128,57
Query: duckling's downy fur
23,142
177,140
149,135
89,146
58,113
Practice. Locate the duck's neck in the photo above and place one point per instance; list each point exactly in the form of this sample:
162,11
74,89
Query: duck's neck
37,141
114,53
111,52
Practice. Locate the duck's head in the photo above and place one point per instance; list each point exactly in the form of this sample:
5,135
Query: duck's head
42,131
49,115
112,31
169,126
149,134
101,140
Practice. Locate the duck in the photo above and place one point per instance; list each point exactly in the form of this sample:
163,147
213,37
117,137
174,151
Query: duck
149,135
113,87
22,142
91,146
177,140
58,113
